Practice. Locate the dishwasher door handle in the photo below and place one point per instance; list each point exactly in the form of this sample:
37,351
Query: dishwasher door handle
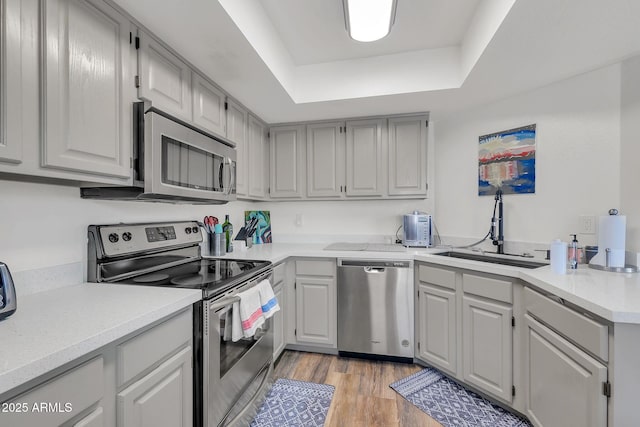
374,269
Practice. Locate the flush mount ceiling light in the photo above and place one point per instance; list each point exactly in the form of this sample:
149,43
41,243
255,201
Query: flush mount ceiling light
369,20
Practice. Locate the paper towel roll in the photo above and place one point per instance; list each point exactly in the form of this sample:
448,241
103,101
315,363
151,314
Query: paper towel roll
611,235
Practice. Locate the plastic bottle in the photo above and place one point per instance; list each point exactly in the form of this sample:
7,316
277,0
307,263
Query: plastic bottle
227,228
559,256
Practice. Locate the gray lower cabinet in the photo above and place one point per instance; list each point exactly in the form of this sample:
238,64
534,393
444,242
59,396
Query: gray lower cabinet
162,398
564,383
279,289
316,303
59,400
94,419
487,345
437,326
142,380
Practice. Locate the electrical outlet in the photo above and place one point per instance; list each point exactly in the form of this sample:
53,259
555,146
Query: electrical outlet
298,220
587,224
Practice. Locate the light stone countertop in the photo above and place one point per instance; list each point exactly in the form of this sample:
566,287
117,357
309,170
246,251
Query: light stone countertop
612,296
52,328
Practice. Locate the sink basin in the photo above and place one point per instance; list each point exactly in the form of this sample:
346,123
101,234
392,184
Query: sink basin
513,262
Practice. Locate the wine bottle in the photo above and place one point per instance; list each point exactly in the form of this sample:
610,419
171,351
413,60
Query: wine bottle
227,229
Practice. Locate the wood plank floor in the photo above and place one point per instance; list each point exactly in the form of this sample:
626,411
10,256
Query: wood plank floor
363,397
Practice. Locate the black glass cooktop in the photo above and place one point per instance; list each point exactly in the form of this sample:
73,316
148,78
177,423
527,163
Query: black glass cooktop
213,276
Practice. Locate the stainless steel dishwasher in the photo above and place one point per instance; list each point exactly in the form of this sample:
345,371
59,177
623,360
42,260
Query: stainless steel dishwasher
375,307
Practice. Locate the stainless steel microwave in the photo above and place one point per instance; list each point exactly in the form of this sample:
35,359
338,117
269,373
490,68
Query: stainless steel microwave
174,162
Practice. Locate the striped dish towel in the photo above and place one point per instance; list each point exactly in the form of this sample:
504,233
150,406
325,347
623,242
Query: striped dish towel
268,299
250,313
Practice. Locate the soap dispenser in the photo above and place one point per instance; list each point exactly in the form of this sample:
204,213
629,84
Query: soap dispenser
573,253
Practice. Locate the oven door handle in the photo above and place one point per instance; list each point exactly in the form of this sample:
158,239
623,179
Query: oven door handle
224,303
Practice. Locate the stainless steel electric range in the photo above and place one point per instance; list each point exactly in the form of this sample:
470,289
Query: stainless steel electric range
230,377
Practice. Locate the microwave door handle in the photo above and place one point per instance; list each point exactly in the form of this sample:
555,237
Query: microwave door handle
232,176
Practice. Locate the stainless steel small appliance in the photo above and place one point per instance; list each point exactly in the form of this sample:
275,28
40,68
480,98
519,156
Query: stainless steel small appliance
8,302
230,378
173,161
375,308
417,230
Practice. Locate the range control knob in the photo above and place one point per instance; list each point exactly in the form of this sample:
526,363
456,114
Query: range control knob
126,236
113,237
187,230
194,229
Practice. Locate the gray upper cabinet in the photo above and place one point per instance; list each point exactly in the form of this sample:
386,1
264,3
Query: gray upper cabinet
408,156
11,81
87,75
258,159
164,79
237,132
208,106
287,162
364,157
325,160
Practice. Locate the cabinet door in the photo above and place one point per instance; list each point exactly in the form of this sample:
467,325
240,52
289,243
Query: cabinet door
94,419
11,81
408,156
163,398
163,78
487,338
316,311
87,78
364,157
209,106
237,130
258,154
287,161
278,322
565,384
325,160
437,326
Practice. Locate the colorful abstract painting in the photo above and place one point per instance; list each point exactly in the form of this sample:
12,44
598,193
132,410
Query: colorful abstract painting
507,161
263,227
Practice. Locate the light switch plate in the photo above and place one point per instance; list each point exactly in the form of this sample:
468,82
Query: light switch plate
587,224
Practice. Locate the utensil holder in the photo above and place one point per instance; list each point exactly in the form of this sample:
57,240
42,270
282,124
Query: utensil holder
217,243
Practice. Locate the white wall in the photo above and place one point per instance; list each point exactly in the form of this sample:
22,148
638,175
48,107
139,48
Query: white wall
44,225
630,150
577,160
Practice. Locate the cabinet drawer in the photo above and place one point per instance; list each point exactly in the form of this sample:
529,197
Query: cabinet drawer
153,346
78,388
316,268
500,290
586,332
278,273
437,276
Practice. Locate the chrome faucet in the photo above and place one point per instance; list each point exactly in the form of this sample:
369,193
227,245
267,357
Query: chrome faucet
497,224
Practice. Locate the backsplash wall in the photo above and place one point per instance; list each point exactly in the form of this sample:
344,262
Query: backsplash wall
577,160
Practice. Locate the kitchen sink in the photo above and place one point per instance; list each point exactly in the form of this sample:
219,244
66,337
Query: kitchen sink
513,262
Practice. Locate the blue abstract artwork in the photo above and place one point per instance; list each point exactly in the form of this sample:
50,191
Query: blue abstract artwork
507,161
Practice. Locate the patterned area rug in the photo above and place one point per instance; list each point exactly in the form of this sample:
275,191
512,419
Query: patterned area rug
292,403
451,404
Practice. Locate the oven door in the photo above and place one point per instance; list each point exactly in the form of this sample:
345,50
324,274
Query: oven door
234,368
181,162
